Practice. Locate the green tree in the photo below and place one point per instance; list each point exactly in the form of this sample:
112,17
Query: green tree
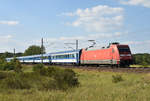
33,50
141,59
8,55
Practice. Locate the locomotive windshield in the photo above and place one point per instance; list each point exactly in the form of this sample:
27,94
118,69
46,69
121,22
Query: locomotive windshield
123,49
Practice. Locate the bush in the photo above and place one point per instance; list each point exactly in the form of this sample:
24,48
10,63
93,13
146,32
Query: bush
49,84
15,81
4,75
69,76
117,78
23,81
64,78
14,64
2,63
7,66
38,67
41,79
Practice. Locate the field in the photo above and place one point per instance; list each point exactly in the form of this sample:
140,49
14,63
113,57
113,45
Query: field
94,86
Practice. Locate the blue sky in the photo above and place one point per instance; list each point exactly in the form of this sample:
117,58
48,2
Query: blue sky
25,22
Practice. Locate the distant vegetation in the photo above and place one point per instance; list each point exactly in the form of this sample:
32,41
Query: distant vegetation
141,59
8,55
33,50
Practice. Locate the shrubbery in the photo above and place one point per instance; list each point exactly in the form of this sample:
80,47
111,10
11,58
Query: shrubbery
63,78
38,67
117,78
14,64
42,79
15,81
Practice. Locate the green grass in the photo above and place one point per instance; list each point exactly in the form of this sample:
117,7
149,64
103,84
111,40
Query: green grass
94,86
139,66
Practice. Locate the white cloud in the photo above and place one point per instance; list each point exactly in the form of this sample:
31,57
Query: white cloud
67,14
145,3
139,46
8,43
87,37
138,42
5,38
100,18
57,44
9,22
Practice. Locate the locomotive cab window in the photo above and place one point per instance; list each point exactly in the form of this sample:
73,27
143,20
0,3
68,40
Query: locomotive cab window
123,49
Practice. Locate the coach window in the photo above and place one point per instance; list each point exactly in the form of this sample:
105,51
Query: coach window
64,56
72,55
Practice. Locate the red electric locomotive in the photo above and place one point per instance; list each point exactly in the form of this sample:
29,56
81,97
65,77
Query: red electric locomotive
114,54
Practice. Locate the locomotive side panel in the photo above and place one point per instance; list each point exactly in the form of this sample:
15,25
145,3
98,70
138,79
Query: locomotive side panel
100,56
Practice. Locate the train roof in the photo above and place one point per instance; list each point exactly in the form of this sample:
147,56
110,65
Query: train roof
31,56
48,54
111,44
65,52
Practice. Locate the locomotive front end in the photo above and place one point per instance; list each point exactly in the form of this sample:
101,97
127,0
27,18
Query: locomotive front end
125,55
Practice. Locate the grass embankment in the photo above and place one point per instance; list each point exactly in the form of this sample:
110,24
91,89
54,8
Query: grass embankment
94,86
139,66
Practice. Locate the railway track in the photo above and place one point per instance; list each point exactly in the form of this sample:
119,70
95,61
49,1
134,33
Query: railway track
111,69
105,68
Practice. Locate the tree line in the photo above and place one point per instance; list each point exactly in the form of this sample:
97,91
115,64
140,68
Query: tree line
31,50
141,59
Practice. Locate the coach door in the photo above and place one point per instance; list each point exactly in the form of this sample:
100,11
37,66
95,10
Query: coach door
113,57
